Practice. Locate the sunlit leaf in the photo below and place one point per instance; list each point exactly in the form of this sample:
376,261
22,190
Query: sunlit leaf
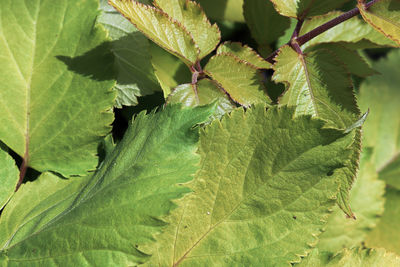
230,10
9,175
55,84
105,219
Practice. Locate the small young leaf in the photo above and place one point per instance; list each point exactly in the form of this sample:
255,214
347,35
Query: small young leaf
8,177
159,27
305,8
203,93
318,85
135,74
192,17
238,78
381,94
105,219
265,24
366,200
261,195
384,16
244,53
354,30
56,83
356,257
387,233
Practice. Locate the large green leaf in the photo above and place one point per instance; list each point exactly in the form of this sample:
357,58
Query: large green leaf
391,173
305,8
357,257
317,84
8,177
55,83
230,10
354,30
384,16
161,28
387,233
204,92
104,220
366,200
265,24
194,20
132,57
262,194
381,93
238,78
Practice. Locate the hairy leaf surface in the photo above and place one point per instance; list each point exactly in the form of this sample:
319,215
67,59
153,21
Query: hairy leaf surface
262,193
238,78
384,16
55,83
357,257
387,233
381,93
135,74
192,17
8,177
161,28
105,219
305,8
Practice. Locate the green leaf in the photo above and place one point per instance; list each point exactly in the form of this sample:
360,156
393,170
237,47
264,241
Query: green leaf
387,233
317,84
55,81
193,19
230,10
391,173
262,193
244,53
203,93
238,78
381,94
169,70
265,24
106,219
305,8
384,16
9,175
159,27
135,74
354,63
366,200
357,257
354,30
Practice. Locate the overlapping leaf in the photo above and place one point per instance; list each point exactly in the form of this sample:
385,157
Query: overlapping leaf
55,83
8,177
261,195
203,93
244,53
230,10
106,219
132,57
305,8
265,24
384,16
381,93
238,78
159,27
357,257
354,32
366,200
192,17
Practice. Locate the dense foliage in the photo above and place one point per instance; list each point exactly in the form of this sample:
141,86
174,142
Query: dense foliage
247,133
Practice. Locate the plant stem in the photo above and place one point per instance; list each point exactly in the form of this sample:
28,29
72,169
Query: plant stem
22,171
321,29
